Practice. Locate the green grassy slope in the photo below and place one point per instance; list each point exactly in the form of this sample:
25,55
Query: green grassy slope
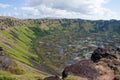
17,43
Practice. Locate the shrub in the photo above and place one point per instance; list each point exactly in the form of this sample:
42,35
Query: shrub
15,70
3,77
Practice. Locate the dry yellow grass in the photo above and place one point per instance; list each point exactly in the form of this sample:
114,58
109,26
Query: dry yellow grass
71,77
30,73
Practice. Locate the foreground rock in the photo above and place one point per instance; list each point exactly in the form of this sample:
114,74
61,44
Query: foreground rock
100,53
83,68
104,65
106,73
109,63
91,71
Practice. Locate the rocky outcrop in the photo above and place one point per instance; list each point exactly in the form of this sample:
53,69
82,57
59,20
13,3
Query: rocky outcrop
83,68
109,63
100,53
104,65
5,61
91,71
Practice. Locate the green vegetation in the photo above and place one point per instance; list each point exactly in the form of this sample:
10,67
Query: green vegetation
15,70
30,73
5,76
17,42
71,77
18,47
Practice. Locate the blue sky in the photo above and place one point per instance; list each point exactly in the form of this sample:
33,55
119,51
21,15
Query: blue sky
113,5
85,9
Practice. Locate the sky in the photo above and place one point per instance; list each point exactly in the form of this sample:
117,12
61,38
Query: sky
83,9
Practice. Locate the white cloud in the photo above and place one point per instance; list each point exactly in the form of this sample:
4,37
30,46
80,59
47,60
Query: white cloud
89,9
31,10
82,6
4,5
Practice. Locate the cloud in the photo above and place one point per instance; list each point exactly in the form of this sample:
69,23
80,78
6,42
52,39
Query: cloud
81,6
4,5
31,10
89,9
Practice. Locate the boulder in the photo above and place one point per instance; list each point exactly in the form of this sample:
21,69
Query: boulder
101,53
83,68
5,61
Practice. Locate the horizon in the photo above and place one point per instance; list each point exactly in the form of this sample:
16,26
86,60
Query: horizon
69,9
62,18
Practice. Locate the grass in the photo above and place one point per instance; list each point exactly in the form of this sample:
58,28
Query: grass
6,76
71,77
29,72
18,47
18,42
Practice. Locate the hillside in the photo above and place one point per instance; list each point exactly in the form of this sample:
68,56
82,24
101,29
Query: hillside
46,46
78,25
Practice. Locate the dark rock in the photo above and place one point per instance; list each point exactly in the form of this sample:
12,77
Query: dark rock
1,51
52,78
101,53
118,49
5,61
83,68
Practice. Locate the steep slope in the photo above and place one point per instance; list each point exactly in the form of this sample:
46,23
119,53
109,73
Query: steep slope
17,42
